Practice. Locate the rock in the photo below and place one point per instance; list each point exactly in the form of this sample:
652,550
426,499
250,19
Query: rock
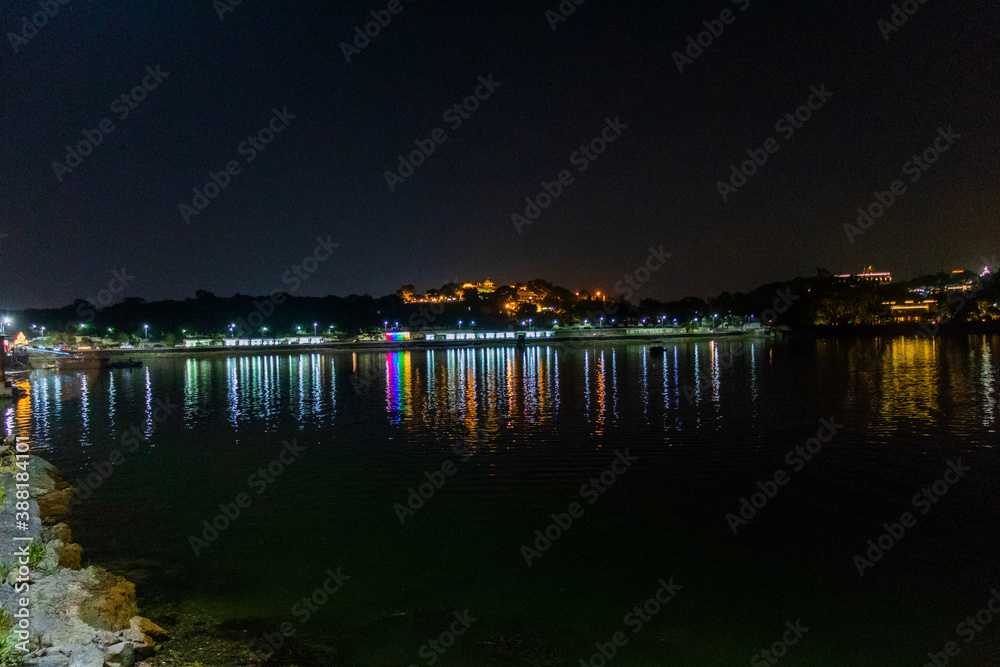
69,555
78,602
147,627
54,505
120,655
105,639
55,660
60,531
87,656
110,601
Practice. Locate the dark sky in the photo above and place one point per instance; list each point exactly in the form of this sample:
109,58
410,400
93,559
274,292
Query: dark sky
323,175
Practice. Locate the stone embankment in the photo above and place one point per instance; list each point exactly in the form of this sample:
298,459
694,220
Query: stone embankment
77,617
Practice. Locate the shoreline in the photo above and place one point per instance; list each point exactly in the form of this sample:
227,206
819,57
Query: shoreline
403,346
55,611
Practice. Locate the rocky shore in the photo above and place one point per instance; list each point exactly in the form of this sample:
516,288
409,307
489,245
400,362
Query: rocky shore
76,617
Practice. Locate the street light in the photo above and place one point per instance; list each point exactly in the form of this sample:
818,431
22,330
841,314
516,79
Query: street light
460,324
314,328
145,328
3,325
385,326
602,322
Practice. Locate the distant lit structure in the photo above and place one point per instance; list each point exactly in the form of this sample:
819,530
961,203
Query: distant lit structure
395,336
867,276
485,287
253,342
911,311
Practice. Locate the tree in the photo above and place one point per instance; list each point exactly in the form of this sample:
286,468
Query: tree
406,292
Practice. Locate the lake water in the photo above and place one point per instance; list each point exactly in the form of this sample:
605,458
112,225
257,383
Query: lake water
523,433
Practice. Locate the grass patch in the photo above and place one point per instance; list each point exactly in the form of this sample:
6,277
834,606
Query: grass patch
36,554
9,654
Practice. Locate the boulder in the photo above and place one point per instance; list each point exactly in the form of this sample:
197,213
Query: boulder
91,598
68,555
87,656
109,601
120,655
147,627
73,655
60,531
54,505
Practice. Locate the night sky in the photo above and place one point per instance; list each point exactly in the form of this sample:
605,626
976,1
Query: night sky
324,173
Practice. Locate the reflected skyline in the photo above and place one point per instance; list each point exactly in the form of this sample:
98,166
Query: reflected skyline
484,388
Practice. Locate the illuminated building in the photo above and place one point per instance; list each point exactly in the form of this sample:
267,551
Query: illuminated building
911,311
867,276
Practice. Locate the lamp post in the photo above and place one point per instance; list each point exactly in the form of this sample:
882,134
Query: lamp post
602,322
145,328
385,326
460,325
231,327
314,328
3,325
